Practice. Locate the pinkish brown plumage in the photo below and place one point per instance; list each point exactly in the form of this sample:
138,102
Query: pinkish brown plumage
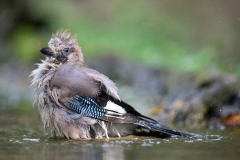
78,102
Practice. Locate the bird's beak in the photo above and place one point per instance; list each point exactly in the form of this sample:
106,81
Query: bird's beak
46,51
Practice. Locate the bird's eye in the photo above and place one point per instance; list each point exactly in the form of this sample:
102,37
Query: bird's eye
66,50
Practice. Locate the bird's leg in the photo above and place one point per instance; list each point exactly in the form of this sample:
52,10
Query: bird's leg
103,125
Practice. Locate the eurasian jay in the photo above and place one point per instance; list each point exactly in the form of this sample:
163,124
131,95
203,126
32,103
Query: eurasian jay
79,102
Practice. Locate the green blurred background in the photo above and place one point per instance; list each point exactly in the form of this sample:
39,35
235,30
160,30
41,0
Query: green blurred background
180,35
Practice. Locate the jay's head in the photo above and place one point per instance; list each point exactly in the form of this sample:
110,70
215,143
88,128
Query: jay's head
63,48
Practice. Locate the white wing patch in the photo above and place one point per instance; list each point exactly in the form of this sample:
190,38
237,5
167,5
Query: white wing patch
114,107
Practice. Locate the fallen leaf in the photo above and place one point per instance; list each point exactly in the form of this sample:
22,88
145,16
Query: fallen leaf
231,120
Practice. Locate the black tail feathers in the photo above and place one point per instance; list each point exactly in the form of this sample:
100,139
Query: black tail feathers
161,131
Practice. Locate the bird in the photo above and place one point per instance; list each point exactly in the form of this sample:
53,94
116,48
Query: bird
77,102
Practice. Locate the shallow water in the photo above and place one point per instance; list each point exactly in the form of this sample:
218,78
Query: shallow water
21,137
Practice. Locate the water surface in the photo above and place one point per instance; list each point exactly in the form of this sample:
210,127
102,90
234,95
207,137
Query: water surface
21,137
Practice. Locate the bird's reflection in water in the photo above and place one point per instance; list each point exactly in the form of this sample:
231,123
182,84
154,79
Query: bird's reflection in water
83,150
116,152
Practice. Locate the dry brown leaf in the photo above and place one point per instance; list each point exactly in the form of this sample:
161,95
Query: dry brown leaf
231,120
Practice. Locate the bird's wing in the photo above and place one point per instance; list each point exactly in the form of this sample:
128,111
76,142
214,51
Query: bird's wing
85,91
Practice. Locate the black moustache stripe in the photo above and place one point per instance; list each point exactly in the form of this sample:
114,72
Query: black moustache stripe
62,58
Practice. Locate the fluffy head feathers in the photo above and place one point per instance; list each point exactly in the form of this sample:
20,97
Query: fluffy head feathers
61,37
63,48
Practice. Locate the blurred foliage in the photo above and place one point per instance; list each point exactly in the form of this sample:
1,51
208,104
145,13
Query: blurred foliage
25,42
180,35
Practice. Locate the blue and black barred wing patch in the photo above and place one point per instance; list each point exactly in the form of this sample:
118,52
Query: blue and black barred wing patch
89,107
